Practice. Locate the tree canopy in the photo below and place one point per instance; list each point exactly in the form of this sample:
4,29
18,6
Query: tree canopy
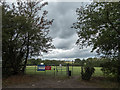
25,32
98,25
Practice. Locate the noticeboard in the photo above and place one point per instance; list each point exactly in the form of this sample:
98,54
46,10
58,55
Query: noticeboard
47,67
40,67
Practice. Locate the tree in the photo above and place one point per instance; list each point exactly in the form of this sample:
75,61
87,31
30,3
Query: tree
0,33
12,57
25,32
33,61
77,60
109,68
98,25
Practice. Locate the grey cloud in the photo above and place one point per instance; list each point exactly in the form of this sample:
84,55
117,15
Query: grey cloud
65,43
64,37
72,53
64,16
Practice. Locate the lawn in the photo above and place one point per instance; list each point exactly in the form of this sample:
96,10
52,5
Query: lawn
75,71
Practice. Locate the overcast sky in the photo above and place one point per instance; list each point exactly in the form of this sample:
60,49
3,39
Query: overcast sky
64,37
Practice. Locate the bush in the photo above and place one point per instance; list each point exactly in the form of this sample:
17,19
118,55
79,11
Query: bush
110,68
87,72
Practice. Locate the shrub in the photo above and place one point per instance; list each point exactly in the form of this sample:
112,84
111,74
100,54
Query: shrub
87,72
110,68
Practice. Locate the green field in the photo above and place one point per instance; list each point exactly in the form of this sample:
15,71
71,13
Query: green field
75,71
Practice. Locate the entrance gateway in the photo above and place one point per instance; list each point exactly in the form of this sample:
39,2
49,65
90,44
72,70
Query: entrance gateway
43,68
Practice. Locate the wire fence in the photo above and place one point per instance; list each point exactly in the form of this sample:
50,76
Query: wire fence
55,70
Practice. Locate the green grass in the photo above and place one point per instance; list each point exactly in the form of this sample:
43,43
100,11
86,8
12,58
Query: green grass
98,72
75,71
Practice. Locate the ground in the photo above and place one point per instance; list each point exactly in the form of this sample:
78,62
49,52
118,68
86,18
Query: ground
36,81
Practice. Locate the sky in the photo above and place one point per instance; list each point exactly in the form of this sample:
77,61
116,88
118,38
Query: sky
64,37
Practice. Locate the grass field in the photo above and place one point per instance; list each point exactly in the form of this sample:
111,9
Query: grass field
75,71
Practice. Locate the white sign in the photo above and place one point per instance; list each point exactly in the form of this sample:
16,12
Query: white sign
41,63
60,65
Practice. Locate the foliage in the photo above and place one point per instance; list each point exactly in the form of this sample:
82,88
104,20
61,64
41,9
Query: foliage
98,25
79,62
87,73
95,62
34,61
46,62
11,57
109,68
87,70
25,33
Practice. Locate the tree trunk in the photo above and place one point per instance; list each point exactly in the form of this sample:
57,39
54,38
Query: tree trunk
24,67
118,76
27,54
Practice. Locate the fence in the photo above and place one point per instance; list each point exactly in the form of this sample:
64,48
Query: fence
55,70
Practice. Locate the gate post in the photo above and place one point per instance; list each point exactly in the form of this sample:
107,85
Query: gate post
68,70
72,67
54,70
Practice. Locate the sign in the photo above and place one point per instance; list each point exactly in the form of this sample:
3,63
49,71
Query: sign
60,65
47,67
41,63
41,68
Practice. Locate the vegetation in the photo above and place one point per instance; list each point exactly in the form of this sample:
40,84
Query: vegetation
24,34
95,62
109,68
87,72
76,71
98,26
46,62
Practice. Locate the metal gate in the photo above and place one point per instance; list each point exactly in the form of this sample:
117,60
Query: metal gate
55,70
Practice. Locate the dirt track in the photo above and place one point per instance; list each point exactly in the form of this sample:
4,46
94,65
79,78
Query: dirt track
44,82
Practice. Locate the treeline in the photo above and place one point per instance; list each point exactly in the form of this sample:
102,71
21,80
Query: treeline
46,62
95,62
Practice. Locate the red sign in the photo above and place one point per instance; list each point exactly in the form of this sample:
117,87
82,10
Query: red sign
47,67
